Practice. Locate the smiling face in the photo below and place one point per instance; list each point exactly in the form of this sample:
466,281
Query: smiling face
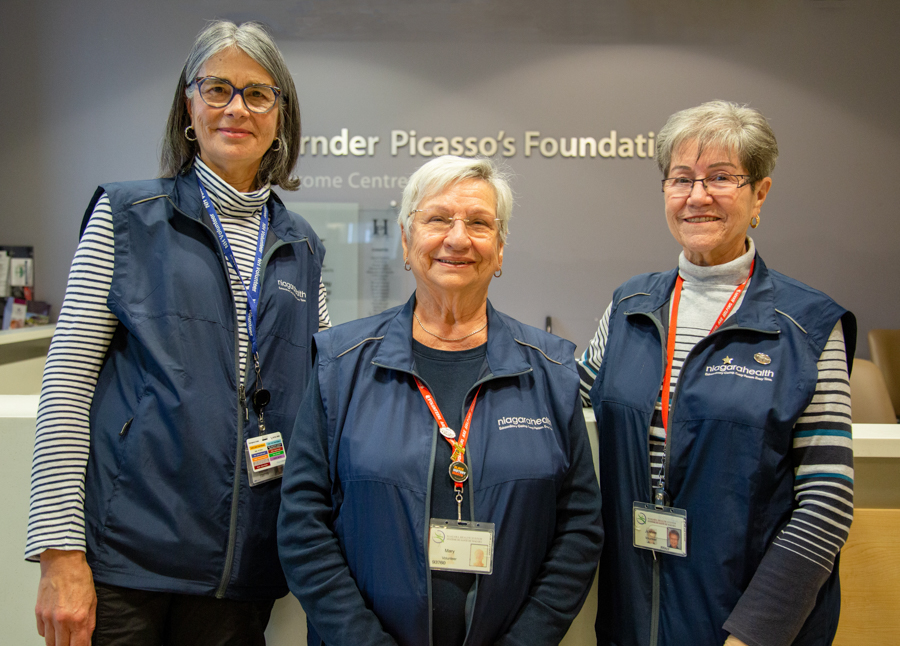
455,261
711,228
232,139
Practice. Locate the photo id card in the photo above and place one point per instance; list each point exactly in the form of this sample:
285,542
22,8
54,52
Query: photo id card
265,458
661,529
461,546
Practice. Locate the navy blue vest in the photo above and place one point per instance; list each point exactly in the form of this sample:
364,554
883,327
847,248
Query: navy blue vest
168,506
729,441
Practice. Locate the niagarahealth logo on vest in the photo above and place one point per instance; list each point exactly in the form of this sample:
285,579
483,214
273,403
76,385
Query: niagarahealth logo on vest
525,423
760,372
285,286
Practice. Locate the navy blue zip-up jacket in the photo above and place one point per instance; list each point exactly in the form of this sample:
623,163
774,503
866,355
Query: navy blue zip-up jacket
168,506
354,516
729,456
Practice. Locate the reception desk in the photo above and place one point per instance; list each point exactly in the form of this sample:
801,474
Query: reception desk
870,563
23,353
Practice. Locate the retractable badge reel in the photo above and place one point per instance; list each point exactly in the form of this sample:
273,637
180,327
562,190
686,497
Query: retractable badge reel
265,454
458,545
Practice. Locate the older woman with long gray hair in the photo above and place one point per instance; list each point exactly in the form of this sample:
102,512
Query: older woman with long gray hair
439,489
176,371
722,401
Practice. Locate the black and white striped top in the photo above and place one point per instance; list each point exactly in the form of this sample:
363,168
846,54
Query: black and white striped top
802,555
82,337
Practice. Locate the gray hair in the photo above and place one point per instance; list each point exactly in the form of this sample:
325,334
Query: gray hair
178,153
737,128
442,172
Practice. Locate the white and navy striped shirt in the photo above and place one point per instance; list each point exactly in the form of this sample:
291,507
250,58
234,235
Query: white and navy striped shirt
82,337
822,451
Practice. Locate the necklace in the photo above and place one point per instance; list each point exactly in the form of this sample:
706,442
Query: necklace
427,331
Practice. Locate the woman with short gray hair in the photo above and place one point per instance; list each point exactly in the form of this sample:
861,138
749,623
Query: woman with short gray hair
176,370
443,171
722,402
439,489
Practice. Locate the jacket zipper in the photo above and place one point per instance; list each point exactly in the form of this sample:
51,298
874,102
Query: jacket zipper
434,434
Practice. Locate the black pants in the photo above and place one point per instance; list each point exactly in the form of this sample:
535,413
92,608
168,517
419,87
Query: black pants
127,617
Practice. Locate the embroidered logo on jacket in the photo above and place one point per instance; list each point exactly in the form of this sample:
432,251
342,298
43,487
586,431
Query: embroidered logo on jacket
530,423
729,367
299,294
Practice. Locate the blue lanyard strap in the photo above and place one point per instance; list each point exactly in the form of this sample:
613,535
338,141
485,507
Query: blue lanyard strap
253,290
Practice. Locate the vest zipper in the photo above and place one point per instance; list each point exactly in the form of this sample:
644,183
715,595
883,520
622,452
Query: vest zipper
242,408
654,586
242,417
241,401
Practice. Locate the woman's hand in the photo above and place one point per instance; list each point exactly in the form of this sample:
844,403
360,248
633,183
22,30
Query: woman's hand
66,606
734,641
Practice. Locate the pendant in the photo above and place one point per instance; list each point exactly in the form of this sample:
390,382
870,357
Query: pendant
459,472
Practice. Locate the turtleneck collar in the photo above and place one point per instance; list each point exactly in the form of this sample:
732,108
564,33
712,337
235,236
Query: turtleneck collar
228,200
729,273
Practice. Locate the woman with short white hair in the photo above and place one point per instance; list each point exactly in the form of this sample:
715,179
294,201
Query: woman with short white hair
439,488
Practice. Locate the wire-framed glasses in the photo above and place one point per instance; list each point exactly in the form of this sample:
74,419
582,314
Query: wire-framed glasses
217,93
437,222
715,184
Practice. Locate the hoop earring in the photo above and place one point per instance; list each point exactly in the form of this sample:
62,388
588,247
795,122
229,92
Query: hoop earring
498,273
187,136
273,148
406,264
753,224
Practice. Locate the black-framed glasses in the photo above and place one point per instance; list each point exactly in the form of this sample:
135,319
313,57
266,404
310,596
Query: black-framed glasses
715,184
217,93
435,222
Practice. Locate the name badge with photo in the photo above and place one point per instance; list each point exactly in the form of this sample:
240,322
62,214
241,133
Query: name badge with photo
661,529
461,546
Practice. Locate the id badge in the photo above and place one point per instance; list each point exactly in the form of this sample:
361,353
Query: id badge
661,529
265,458
461,546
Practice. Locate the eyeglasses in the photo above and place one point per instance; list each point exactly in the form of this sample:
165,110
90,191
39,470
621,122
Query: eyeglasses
436,223
217,93
716,184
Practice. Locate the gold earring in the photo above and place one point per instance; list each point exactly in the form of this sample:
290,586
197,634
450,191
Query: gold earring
753,224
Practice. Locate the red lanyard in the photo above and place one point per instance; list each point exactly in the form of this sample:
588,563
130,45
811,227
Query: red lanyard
673,325
459,472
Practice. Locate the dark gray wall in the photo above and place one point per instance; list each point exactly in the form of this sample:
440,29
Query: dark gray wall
93,83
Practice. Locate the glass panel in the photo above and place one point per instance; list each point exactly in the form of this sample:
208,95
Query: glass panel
363,269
